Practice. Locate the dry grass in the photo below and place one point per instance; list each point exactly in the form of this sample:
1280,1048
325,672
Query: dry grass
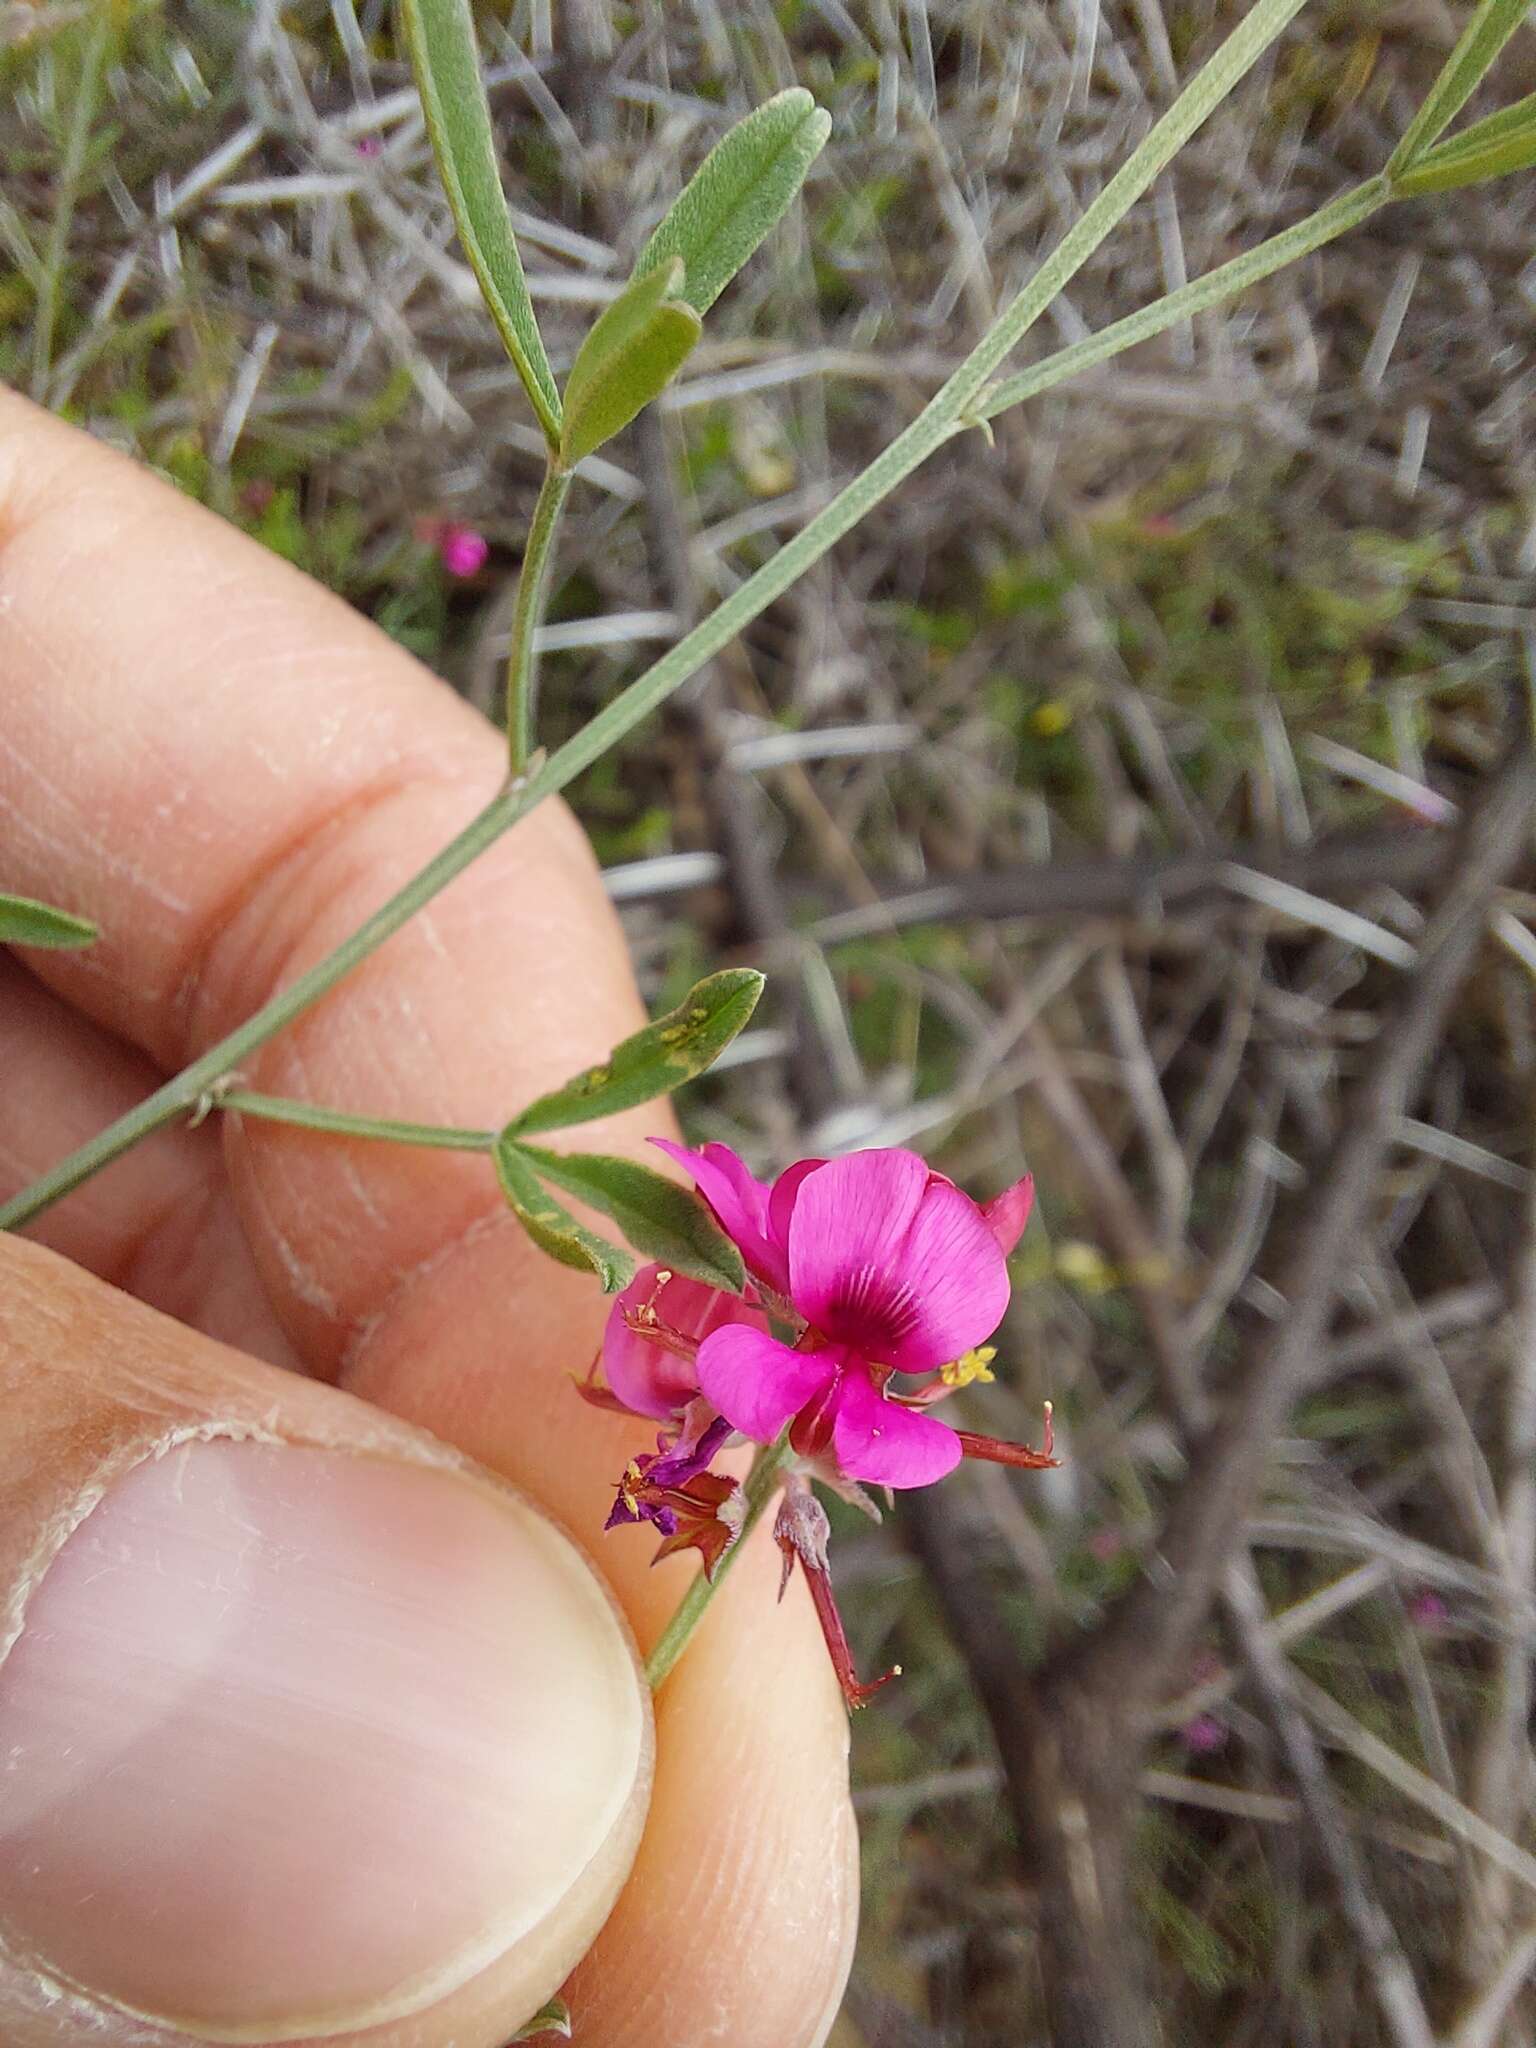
1263,584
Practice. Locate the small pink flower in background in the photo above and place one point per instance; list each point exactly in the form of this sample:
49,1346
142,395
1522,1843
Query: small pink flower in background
884,1269
1428,1612
369,145
1203,1735
1106,1542
462,550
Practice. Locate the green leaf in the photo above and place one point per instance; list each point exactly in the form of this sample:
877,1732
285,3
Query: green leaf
1503,142
1491,26
656,1060
740,191
554,2018
440,35
632,352
661,1220
552,1226
24,922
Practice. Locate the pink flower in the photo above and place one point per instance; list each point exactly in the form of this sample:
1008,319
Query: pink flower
369,145
1428,1612
891,1269
462,550
1204,1735
883,1267
655,1328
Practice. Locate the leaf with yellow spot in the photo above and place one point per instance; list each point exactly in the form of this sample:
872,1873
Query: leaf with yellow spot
654,1061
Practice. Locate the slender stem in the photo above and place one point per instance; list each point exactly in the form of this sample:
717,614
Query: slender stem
528,611
183,1093
278,1109
761,1484
1201,293
946,414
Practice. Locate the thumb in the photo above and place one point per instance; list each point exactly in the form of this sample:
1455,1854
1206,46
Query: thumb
310,1730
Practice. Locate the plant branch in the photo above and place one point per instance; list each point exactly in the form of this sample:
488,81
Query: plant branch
1198,296
1137,1650
1392,1981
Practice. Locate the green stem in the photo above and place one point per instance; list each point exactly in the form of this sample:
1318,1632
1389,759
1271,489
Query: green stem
1198,296
761,1485
946,414
279,1109
528,611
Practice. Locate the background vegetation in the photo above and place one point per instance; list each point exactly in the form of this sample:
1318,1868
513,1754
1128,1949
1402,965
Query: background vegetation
1084,808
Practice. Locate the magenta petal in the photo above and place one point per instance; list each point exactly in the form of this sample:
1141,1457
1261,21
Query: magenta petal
781,1202
1008,1212
740,1202
894,1261
646,1375
758,1383
886,1444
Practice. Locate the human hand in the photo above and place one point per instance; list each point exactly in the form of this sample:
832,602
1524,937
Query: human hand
298,1725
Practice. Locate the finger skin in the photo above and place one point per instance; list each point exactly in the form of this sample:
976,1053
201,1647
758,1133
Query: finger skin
91,1386
159,1222
251,769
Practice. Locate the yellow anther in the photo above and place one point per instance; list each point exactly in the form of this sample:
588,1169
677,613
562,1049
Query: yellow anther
970,1367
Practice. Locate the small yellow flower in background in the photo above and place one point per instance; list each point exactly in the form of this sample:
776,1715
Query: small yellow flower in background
1051,719
1085,1266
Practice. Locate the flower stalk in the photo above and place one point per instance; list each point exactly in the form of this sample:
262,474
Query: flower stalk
761,1484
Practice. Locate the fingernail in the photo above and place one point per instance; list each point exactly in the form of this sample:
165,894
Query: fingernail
293,1740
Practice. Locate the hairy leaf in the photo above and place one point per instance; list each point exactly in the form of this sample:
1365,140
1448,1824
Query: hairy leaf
741,190
552,1226
654,1061
440,35
24,922
661,1220
632,352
